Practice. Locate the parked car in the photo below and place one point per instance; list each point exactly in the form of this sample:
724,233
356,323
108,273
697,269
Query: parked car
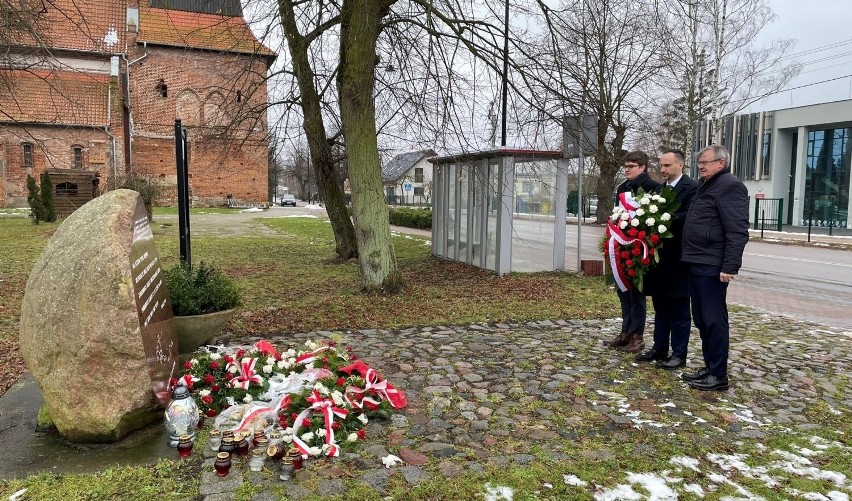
288,200
592,207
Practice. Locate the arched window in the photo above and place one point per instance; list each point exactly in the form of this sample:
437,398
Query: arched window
27,151
77,156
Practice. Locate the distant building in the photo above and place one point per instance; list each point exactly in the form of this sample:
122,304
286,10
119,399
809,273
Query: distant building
408,178
797,158
101,91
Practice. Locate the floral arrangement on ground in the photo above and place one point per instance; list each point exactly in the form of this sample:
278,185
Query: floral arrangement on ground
312,395
635,233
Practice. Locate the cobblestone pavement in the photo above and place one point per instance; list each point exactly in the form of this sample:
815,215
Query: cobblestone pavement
519,394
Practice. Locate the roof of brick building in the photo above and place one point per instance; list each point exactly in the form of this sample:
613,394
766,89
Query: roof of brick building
402,163
198,30
58,97
93,25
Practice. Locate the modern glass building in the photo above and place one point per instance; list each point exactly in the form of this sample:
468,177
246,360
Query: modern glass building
799,157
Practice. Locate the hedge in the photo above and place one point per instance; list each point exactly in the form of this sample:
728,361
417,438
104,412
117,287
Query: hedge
411,218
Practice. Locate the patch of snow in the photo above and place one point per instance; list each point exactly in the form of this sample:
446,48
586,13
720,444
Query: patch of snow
619,493
668,404
309,216
252,209
574,480
694,489
685,461
729,461
17,494
111,37
314,207
498,492
657,488
814,496
838,496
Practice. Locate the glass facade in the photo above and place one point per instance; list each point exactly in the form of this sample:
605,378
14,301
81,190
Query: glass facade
827,178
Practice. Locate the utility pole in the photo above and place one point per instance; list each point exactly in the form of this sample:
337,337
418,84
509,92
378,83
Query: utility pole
505,71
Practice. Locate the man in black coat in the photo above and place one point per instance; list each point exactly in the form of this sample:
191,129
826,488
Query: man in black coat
633,304
714,237
668,282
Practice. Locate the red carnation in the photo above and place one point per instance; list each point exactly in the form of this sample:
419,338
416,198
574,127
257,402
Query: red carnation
228,359
215,388
348,348
361,433
306,422
606,252
211,413
335,426
625,254
655,239
293,417
331,343
642,235
187,365
207,399
631,272
651,251
637,244
208,379
214,365
325,360
241,353
282,421
637,251
646,261
229,376
632,232
341,381
173,382
630,263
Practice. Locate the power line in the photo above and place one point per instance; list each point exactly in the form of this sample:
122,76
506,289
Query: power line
817,49
808,85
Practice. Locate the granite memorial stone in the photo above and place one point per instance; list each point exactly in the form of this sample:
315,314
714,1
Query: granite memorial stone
96,327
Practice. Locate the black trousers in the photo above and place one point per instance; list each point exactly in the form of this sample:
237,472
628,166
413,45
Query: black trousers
671,321
710,313
633,310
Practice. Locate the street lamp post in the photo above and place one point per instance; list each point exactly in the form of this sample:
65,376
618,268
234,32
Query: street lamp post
505,71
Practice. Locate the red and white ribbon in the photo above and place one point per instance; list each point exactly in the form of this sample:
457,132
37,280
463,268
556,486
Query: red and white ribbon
373,385
267,349
247,375
628,203
327,408
311,356
618,273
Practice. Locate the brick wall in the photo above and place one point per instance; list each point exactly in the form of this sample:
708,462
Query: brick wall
52,148
223,112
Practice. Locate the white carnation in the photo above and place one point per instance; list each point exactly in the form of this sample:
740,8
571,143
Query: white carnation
291,352
309,366
666,216
194,361
288,430
307,437
215,356
287,438
650,221
247,399
659,198
653,209
634,222
640,211
231,402
321,432
352,437
625,216
326,447
363,418
281,365
311,345
622,224
233,368
645,200
203,393
321,389
246,360
267,369
314,451
662,228
338,398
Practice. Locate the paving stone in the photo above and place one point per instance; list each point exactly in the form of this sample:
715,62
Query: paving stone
213,484
414,475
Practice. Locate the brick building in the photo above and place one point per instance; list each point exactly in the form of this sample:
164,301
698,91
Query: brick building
101,90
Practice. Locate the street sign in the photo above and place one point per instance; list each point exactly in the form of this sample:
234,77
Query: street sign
406,186
760,196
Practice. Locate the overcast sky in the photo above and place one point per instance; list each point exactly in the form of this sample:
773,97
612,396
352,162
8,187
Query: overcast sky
814,24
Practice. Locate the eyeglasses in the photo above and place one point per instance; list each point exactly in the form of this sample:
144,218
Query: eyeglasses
707,162
631,166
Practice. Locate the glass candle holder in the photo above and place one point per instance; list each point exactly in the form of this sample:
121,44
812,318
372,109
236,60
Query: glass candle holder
262,443
242,446
296,457
184,446
222,464
214,440
257,436
256,459
275,452
275,438
285,471
228,445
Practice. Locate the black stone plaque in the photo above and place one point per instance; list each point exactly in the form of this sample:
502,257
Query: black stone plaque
153,306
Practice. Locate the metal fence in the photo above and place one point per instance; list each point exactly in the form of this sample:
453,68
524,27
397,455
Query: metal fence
768,213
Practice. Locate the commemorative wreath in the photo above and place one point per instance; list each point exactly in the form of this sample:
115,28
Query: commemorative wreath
635,232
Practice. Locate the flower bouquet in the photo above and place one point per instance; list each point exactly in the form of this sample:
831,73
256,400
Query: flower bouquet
313,395
635,232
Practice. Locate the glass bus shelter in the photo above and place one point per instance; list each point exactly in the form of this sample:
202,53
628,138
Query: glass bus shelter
503,210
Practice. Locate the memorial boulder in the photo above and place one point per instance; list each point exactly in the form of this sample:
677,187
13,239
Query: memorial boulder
96,326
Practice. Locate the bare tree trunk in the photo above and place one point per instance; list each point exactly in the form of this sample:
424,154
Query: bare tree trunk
720,21
360,20
320,148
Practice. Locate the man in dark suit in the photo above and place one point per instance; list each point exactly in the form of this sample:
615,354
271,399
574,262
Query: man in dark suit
668,282
715,234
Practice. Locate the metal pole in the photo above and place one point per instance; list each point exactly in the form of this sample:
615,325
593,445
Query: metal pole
810,218
580,215
183,194
505,71
762,222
